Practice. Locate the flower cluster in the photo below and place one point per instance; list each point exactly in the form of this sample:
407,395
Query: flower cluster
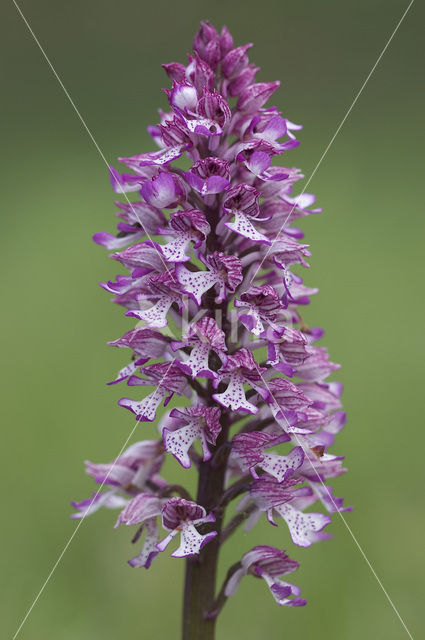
211,255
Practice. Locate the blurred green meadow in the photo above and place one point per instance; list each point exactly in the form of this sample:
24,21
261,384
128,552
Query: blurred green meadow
367,260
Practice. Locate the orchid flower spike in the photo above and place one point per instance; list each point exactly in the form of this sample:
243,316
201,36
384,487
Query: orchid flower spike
213,285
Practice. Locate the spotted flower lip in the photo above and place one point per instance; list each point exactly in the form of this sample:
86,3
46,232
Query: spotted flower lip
205,337
304,528
198,422
249,450
240,369
153,159
183,516
201,126
242,203
162,290
167,378
189,225
212,264
223,271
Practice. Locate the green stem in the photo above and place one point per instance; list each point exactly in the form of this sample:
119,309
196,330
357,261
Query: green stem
201,571
222,598
200,579
235,522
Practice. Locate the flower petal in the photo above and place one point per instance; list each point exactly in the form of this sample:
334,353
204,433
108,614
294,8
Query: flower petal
244,227
302,526
234,396
191,541
195,283
149,550
145,410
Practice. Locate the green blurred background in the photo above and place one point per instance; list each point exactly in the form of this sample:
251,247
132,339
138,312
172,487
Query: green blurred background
367,262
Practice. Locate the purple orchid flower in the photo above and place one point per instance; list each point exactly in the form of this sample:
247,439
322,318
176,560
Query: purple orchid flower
204,336
240,369
163,289
213,284
260,304
163,191
268,563
143,510
183,516
88,506
208,44
199,422
304,528
209,176
145,343
167,378
248,449
224,271
286,349
130,471
242,202
128,474
185,226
